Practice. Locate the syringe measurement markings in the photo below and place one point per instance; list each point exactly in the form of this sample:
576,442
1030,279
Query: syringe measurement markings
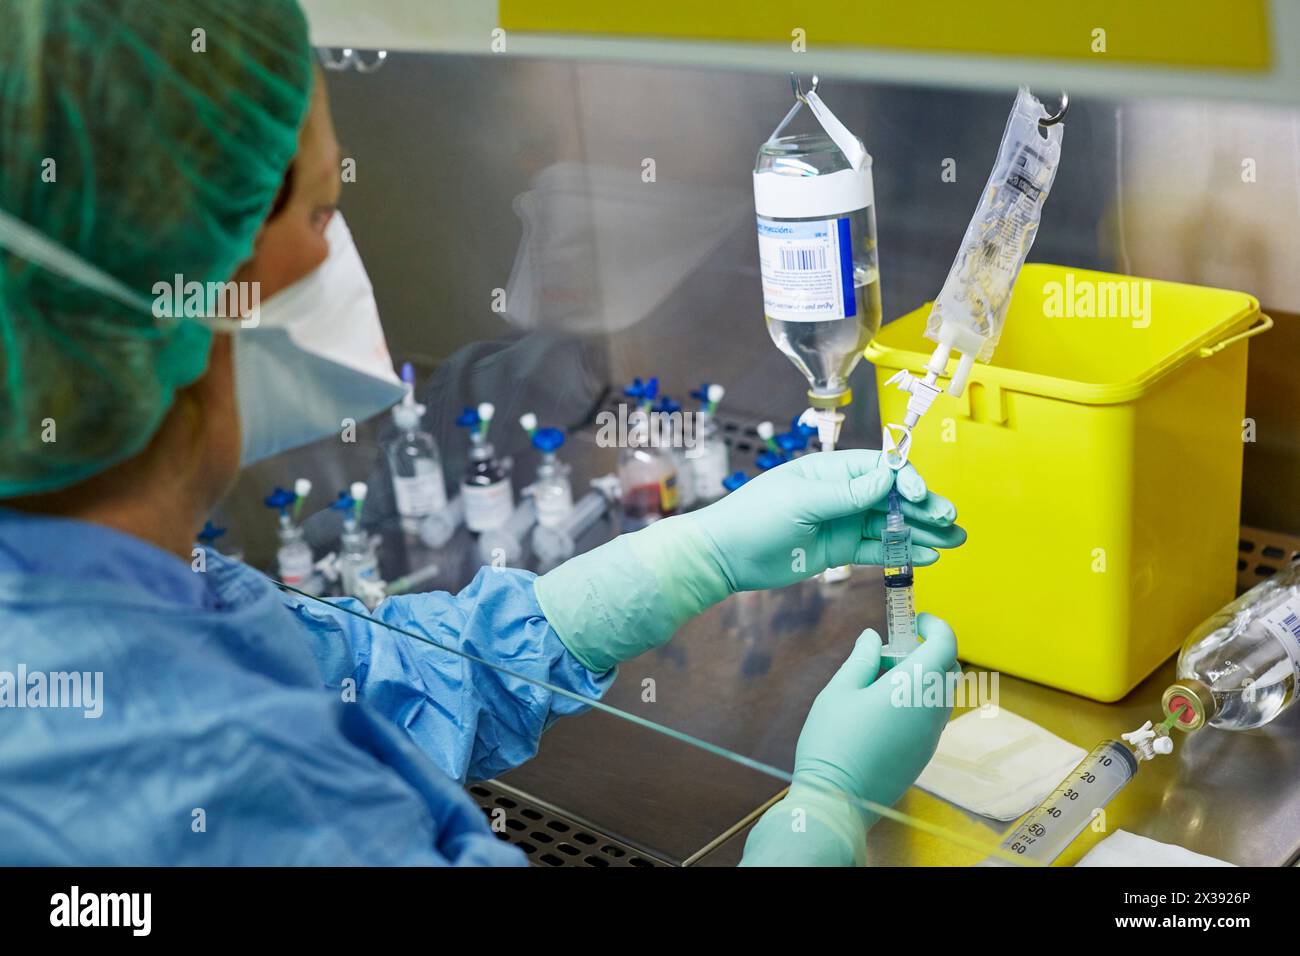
1038,825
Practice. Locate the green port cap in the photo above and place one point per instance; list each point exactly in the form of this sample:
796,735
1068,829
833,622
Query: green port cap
1195,701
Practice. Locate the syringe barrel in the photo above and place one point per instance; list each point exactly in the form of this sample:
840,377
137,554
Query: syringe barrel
585,513
1044,833
558,542
508,538
900,621
437,528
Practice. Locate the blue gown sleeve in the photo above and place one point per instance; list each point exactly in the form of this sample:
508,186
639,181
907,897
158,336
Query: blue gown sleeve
475,718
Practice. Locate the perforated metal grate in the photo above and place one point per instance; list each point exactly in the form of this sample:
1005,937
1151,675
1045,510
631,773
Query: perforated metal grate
738,432
1262,554
548,837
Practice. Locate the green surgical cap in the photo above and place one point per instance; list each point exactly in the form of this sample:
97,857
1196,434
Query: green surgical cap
145,139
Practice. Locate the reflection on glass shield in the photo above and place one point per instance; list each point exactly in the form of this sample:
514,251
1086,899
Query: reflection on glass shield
896,832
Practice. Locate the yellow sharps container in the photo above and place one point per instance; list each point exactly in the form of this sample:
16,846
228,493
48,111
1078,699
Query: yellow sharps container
1096,463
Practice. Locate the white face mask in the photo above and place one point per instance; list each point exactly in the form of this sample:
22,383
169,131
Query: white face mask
317,358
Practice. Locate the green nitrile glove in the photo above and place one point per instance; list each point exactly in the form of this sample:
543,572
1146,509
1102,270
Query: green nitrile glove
863,740
797,520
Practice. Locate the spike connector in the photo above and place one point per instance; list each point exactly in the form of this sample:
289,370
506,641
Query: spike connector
358,492
301,489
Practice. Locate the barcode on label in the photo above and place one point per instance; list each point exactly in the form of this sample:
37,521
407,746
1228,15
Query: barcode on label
803,259
1292,623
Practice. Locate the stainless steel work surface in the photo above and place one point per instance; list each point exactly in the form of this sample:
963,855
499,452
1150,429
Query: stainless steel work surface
742,676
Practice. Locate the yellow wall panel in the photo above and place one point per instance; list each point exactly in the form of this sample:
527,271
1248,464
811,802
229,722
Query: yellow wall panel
1229,34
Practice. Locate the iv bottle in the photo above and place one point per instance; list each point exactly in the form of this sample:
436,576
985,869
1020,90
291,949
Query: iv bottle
672,428
551,490
818,257
1238,670
485,490
294,560
708,460
646,473
359,565
646,470
707,456
414,462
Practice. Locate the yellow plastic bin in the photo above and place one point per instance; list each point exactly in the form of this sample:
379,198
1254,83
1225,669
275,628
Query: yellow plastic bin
1097,466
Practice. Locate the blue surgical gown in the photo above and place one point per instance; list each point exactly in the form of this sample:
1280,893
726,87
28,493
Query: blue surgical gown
240,725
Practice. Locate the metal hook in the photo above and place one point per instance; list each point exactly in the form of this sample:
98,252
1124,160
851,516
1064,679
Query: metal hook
342,63
1060,114
363,67
349,59
796,87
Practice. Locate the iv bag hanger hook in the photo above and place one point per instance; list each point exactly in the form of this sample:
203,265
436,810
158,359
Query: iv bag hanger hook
1058,116
796,87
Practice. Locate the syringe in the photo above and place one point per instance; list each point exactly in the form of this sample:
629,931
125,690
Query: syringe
504,545
439,527
900,612
559,542
1052,826
1044,833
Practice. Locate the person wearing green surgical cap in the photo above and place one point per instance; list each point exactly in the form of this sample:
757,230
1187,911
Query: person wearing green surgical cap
157,145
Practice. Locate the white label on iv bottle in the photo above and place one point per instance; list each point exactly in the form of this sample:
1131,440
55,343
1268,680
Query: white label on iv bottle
807,269
552,508
295,566
487,506
1283,622
708,472
422,494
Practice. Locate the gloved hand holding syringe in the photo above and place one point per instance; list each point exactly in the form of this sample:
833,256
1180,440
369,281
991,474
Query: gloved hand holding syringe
968,315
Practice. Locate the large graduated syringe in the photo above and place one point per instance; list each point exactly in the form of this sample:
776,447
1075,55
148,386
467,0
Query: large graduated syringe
1052,826
1043,834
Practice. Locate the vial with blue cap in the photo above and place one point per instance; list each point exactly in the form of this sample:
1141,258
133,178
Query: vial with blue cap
293,560
794,443
486,493
413,461
706,453
359,560
734,480
551,490
646,470
211,534
772,453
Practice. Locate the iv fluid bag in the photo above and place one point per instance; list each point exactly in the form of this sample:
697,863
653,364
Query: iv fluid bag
817,249
972,306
